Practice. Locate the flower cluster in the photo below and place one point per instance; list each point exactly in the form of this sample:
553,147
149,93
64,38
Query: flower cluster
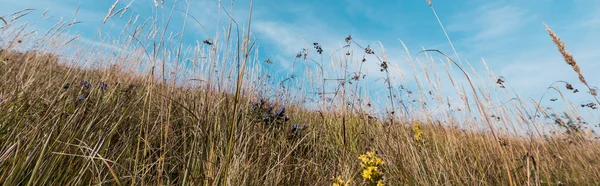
318,47
418,136
297,131
87,85
264,111
371,165
339,181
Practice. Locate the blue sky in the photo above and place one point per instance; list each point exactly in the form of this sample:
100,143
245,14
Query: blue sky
509,35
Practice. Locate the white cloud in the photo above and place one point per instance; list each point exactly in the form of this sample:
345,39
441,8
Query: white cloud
516,46
488,25
499,21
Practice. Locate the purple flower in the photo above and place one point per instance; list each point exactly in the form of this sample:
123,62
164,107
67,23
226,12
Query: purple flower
297,130
103,85
280,112
266,119
86,84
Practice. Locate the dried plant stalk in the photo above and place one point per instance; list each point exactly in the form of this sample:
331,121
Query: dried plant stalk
570,60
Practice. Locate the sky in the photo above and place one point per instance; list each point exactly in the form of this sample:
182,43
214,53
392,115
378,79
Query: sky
508,35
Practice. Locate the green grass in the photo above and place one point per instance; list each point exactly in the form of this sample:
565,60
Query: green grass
139,130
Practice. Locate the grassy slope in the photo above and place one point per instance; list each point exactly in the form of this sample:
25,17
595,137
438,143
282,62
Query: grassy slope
139,131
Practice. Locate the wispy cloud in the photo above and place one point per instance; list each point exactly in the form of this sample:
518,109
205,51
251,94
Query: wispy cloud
490,21
511,38
507,34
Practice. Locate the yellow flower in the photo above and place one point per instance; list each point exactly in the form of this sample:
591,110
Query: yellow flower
369,172
366,174
418,132
370,164
370,159
339,181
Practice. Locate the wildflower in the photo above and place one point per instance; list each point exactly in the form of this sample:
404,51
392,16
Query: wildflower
383,66
370,159
371,165
297,130
258,104
67,85
569,86
339,181
86,84
368,173
279,116
318,47
590,105
369,51
280,112
418,132
103,85
266,119
500,81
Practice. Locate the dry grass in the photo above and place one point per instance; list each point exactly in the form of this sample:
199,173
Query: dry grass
570,61
63,122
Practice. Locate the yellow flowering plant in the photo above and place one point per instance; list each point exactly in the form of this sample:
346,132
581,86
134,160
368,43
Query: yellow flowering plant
371,165
339,181
418,133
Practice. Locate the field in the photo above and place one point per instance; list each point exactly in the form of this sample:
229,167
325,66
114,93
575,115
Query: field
140,118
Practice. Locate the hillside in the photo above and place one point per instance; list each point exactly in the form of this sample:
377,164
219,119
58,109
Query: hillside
69,126
118,114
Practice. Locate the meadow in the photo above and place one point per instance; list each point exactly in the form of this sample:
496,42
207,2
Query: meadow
78,114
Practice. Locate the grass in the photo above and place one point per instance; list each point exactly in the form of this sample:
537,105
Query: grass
70,123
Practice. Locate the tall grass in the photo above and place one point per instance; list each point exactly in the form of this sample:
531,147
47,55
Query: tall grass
70,114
